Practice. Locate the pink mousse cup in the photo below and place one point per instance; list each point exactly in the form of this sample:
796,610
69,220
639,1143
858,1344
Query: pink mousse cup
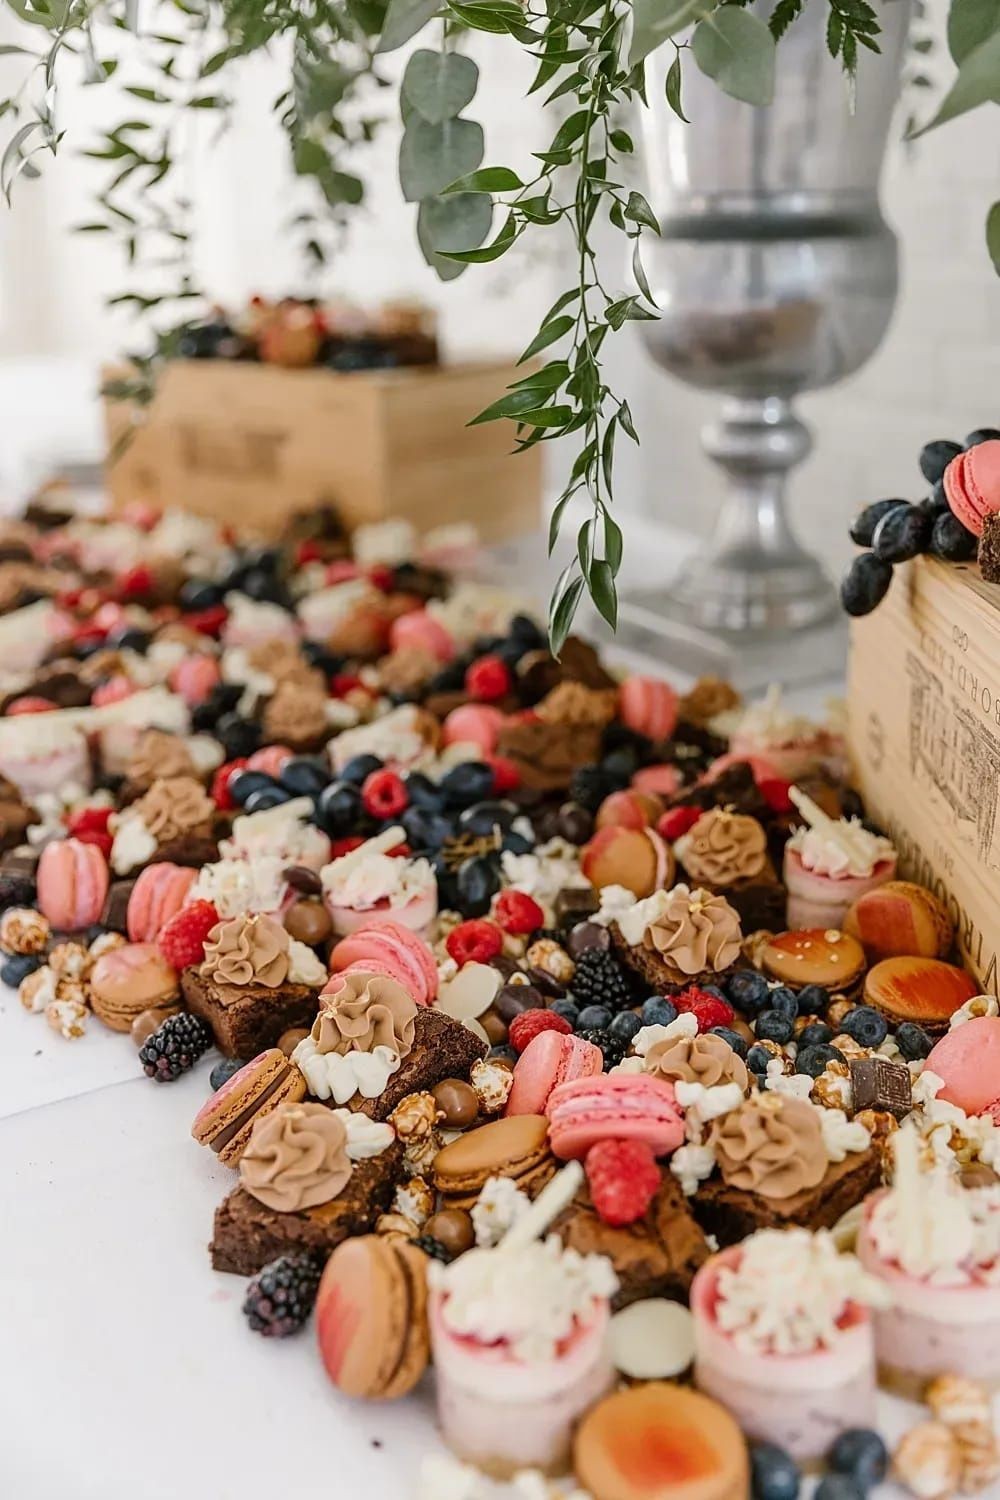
502,1414
823,900
927,1327
799,1401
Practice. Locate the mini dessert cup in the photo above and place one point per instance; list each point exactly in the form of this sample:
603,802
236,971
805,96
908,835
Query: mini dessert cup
816,900
829,863
799,1401
503,1414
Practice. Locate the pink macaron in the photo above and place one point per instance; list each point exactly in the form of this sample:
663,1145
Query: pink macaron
194,677
648,706
73,884
473,724
271,760
659,781
551,1058
419,631
614,1107
159,892
391,949
972,484
968,1059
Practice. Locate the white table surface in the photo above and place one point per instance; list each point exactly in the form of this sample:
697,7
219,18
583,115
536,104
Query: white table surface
126,1367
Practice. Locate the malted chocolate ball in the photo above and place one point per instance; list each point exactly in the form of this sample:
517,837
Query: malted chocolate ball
495,1028
457,1102
148,1021
290,1039
308,922
452,1227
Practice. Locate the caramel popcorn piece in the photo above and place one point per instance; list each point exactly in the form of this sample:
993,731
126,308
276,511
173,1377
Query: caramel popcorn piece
928,1462
37,990
979,1455
548,956
396,1224
492,1084
832,1089
106,943
415,1117
957,1400
23,930
68,1017
836,1011
71,961
415,1200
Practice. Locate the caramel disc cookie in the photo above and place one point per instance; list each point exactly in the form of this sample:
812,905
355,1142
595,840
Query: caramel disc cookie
816,955
924,990
900,919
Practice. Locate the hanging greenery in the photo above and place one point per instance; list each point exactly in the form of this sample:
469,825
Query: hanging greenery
590,59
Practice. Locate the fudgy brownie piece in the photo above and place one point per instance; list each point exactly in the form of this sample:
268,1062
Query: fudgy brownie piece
761,905
247,1018
247,1234
656,1256
731,1213
442,1048
989,549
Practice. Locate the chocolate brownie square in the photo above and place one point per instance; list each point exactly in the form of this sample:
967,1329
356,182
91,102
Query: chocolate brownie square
731,1213
247,1234
442,1048
247,1018
656,1256
761,905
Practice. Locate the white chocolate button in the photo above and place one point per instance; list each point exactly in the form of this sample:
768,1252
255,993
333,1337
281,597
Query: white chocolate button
472,991
653,1339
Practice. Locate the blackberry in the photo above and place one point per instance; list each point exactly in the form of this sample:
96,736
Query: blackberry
432,1247
590,785
545,934
280,1298
175,1046
613,1048
16,890
599,981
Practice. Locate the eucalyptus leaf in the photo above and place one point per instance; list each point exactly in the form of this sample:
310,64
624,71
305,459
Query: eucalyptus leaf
978,82
487,180
403,20
603,591
655,21
969,23
735,48
498,18
439,84
561,616
639,211
433,156
459,222
993,236
673,89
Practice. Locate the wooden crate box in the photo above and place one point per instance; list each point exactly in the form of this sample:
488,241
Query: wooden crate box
924,729
256,443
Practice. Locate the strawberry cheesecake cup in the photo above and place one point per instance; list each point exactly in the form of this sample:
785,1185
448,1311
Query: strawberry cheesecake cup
783,1340
935,1247
829,863
520,1339
369,885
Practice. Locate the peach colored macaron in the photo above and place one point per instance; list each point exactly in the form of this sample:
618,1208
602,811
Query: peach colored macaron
73,882
129,980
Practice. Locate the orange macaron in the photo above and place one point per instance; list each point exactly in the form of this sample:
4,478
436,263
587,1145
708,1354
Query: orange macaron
371,1316
924,990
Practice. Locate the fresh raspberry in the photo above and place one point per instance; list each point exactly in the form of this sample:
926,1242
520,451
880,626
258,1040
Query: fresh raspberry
85,635
530,1022
87,820
136,583
342,683
474,942
345,845
506,776
382,577
103,841
399,851
774,790
342,571
708,1010
383,794
517,913
29,705
221,781
488,679
623,1178
182,939
308,552
207,621
676,821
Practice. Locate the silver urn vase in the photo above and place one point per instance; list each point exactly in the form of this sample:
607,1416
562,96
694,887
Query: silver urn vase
775,273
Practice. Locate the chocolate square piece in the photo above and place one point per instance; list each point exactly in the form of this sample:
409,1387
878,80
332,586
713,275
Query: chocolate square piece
731,1213
877,1083
247,1234
989,548
247,1018
442,1048
575,904
655,1257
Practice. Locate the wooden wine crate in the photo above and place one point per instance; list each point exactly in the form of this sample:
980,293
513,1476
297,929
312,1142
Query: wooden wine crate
924,729
256,443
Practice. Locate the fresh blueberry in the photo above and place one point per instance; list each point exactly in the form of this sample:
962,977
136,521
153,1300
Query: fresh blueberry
774,1474
423,792
359,768
568,1009
470,781
503,1053
18,967
812,1060
621,765
815,1034
625,1024
239,736
866,1026
482,817
303,776
860,1453
516,843
478,881
813,999
863,526
838,1487
772,1026
425,830
865,584
197,594
338,808
594,1018
245,783
450,679
757,1060
203,717
658,1011
268,796
129,638
748,991
223,1071
526,632
913,1041
737,1042
784,1001
318,655
937,455
712,989
225,695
